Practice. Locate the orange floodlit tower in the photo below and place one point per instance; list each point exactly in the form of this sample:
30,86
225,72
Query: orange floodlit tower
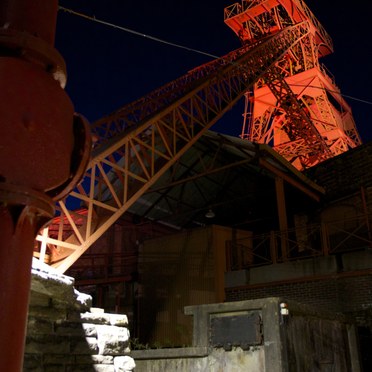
296,106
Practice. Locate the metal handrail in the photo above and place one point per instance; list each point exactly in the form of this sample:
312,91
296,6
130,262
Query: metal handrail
315,240
105,265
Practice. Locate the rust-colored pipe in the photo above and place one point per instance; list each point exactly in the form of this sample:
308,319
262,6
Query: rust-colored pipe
37,154
37,17
18,226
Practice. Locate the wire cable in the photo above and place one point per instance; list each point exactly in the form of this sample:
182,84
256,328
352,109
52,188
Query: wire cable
94,19
153,38
333,91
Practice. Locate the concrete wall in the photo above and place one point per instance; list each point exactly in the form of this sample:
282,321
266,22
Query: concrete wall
300,269
289,338
176,271
215,360
318,282
65,334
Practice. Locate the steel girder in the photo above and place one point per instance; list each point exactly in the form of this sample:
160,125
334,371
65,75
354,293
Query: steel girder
304,135
138,143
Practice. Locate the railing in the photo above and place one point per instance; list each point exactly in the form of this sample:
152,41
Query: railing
105,266
349,234
249,252
232,10
236,9
346,235
327,73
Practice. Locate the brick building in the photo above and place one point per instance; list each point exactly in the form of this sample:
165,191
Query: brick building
234,221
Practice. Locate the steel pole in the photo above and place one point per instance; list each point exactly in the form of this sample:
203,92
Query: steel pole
18,226
44,147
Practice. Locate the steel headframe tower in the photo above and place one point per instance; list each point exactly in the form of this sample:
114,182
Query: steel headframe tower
296,106
44,148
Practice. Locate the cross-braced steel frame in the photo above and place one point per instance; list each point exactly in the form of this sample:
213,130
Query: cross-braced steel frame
318,123
139,142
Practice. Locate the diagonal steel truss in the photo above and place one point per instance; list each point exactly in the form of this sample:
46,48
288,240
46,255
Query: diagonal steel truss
138,143
317,123
307,143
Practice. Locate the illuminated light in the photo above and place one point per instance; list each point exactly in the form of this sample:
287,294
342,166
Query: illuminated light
284,309
210,214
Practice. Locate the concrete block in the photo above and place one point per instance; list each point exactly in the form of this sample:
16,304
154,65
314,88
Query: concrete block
124,364
293,270
236,278
95,359
87,347
58,359
104,368
83,300
90,367
118,320
95,318
112,340
40,344
49,313
357,260
54,368
39,299
40,326
32,362
75,329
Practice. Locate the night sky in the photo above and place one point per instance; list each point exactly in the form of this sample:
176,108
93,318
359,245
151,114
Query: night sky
108,68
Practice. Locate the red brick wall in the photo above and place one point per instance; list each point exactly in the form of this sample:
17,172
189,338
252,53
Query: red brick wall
341,293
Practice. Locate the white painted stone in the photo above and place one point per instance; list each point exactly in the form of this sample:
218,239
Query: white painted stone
112,340
83,298
119,320
124,364
97,310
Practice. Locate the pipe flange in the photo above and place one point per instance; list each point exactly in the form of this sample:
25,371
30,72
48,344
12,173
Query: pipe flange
16,195
80,158
36,50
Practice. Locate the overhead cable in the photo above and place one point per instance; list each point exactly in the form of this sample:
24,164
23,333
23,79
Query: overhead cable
137,33
94,19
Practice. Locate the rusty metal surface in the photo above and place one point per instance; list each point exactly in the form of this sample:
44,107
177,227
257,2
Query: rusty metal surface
292,107
23,213
32,49
38,154
36,138
36,17
317,345
236,330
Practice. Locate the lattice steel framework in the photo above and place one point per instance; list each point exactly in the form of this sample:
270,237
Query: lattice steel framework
135,145
296,106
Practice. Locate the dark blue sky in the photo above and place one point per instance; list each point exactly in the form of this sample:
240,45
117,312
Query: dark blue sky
108,68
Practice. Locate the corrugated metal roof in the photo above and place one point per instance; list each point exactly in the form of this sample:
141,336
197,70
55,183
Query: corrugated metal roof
346,173
225,174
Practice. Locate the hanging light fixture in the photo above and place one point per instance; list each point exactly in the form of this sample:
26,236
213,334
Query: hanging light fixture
210,214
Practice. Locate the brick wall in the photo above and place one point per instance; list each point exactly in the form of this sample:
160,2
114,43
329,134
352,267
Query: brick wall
346,173
346,294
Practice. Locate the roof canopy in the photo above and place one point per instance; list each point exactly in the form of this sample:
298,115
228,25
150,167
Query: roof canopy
233,178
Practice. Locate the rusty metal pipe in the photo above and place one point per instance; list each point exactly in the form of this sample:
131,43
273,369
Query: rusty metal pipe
36,17
15,253
37,154
18,226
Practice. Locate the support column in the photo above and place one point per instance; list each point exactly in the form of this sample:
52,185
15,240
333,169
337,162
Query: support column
44,149
282,214
18,226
